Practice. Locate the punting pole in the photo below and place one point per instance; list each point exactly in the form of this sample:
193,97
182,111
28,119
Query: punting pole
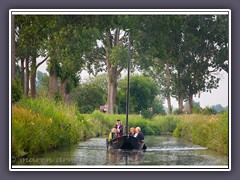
128,82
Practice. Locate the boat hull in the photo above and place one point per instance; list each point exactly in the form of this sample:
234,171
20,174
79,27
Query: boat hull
125,142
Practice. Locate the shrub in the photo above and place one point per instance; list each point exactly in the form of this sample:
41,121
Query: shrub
209,111
147,114
177,112
196,110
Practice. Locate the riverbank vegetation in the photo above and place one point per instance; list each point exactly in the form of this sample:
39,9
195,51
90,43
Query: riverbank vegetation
40,125
210,131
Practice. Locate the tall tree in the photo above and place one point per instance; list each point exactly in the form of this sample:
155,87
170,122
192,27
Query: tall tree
200,51
143,93
73,36
91,94
31,31
192,49
111,52
13,48
159,38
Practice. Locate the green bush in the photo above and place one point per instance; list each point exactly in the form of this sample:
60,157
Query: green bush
196,110
177,112
17,91
147,114
209,111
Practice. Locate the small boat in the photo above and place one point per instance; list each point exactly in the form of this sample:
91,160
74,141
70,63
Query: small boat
125,142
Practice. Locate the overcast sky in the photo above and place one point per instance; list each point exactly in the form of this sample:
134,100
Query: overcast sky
217,96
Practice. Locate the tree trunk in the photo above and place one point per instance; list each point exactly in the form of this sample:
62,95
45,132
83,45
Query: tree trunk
66,97
63,89
112,90
13,53
190,105
180,102
168,89
26,86
169,103
22,73
111,72
53,84
33,77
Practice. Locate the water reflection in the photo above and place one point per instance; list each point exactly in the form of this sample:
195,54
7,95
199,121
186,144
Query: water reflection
124,157
161,150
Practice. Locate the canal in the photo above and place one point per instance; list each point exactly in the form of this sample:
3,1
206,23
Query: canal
161,150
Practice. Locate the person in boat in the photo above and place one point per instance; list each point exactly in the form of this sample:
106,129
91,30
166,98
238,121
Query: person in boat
119,128
112,134
139,134
132,131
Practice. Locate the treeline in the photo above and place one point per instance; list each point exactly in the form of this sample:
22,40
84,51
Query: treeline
182,53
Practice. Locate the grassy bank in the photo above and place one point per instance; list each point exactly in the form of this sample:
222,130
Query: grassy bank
41,125
210,131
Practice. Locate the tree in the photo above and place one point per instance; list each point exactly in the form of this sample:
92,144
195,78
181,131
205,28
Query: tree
200,52
111,52
13,48
157,106
218,107
143,91
31,30
190,47
158,41
72,37
92,94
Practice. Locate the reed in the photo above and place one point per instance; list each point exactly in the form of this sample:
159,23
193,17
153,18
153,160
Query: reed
210,131
40,125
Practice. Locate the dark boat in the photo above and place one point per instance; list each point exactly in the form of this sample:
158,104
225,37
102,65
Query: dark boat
125,142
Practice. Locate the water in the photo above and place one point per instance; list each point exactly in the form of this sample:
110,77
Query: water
161,150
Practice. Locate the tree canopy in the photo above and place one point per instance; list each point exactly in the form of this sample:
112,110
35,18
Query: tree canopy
182,53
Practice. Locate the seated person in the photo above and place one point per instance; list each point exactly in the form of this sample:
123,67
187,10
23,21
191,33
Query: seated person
139,134
132,131
112,134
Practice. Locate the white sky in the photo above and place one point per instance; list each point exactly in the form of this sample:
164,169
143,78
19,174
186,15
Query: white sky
217,96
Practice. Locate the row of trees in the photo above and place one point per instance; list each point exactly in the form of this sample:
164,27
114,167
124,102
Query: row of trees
92,92
183,53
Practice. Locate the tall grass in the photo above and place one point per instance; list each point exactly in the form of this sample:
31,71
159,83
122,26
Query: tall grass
39,125
206,130
155,126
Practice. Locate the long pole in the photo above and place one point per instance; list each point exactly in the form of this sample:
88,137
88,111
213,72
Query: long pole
128,82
